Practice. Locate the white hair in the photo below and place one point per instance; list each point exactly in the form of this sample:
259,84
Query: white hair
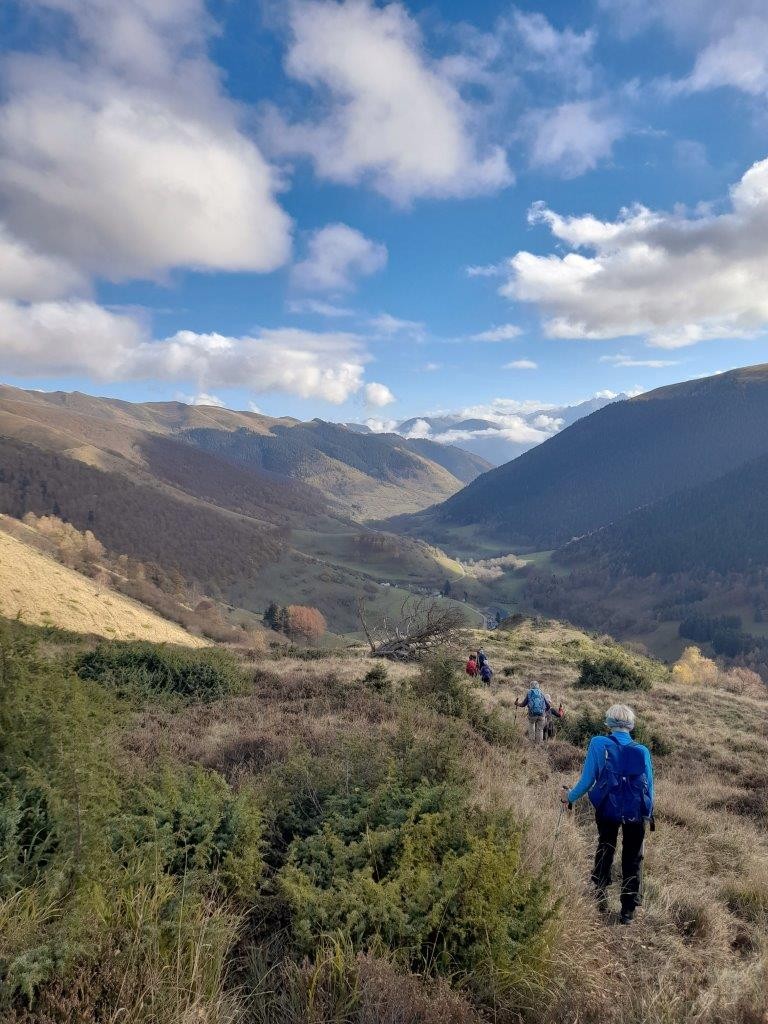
620,716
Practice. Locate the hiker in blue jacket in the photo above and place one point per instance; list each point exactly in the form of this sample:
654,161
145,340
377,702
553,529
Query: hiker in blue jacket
538,709
618,776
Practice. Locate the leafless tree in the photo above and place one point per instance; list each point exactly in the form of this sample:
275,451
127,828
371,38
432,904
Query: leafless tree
423,626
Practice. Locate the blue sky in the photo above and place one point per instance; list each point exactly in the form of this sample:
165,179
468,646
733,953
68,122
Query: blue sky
277,204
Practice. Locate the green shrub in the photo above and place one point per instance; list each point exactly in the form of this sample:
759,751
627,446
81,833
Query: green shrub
136,669
612,672
406,865
195,825
443,689
377,677
580,728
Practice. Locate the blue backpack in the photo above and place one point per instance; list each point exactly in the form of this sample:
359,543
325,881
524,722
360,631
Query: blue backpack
621,792
537,705
486,672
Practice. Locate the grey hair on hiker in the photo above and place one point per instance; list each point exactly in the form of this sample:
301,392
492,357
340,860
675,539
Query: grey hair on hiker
620,716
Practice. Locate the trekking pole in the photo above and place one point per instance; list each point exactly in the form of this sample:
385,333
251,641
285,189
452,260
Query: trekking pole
563,809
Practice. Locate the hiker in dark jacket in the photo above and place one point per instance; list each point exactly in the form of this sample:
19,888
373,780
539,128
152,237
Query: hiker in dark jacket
618,776
538,708
486,673
482,658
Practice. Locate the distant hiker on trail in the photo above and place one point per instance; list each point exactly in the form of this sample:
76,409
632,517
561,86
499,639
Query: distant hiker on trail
486,672
538,708
618,776
481,658
472,666
551,718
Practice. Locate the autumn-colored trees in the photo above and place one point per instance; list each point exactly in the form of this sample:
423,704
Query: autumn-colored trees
297,621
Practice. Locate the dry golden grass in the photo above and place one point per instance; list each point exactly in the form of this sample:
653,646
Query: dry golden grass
37,590
697,952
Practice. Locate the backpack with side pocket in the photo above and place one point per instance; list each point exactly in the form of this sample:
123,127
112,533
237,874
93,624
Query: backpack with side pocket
537,705
622,791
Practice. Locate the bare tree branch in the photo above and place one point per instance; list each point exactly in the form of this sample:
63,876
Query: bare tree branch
425,626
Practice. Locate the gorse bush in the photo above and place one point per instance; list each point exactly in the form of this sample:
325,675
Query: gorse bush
397,860
115,886
442,687
136,669
195,826
613,672
378,677
125,886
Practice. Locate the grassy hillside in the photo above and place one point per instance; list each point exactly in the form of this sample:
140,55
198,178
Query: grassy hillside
370,475
192,837
293,467
37,590
224,524
624,456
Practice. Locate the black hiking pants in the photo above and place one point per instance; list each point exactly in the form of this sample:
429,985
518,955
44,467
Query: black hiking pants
633,836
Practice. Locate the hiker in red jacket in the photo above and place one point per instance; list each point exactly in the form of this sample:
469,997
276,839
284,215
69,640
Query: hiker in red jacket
472,666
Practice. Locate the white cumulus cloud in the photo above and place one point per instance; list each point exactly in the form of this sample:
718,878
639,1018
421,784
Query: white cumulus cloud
124,157
336,255
730,39
675,278
378,395
385,111
29,275
79,337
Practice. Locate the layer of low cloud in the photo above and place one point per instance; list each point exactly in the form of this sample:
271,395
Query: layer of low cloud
203,398
386,112
336,256
674,278
521,364
623,361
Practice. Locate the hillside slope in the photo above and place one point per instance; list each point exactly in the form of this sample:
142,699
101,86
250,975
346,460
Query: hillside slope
719,526
390,823
306,464
37,590
624,456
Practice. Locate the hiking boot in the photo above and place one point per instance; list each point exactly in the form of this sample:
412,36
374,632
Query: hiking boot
627,916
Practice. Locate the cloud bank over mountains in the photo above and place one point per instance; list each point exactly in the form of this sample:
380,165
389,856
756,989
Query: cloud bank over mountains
499,431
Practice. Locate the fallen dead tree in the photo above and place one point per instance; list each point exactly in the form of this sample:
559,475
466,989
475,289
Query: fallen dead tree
423,627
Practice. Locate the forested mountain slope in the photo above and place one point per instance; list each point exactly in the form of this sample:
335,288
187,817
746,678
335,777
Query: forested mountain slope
244,530
720,526
624,456
364,475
